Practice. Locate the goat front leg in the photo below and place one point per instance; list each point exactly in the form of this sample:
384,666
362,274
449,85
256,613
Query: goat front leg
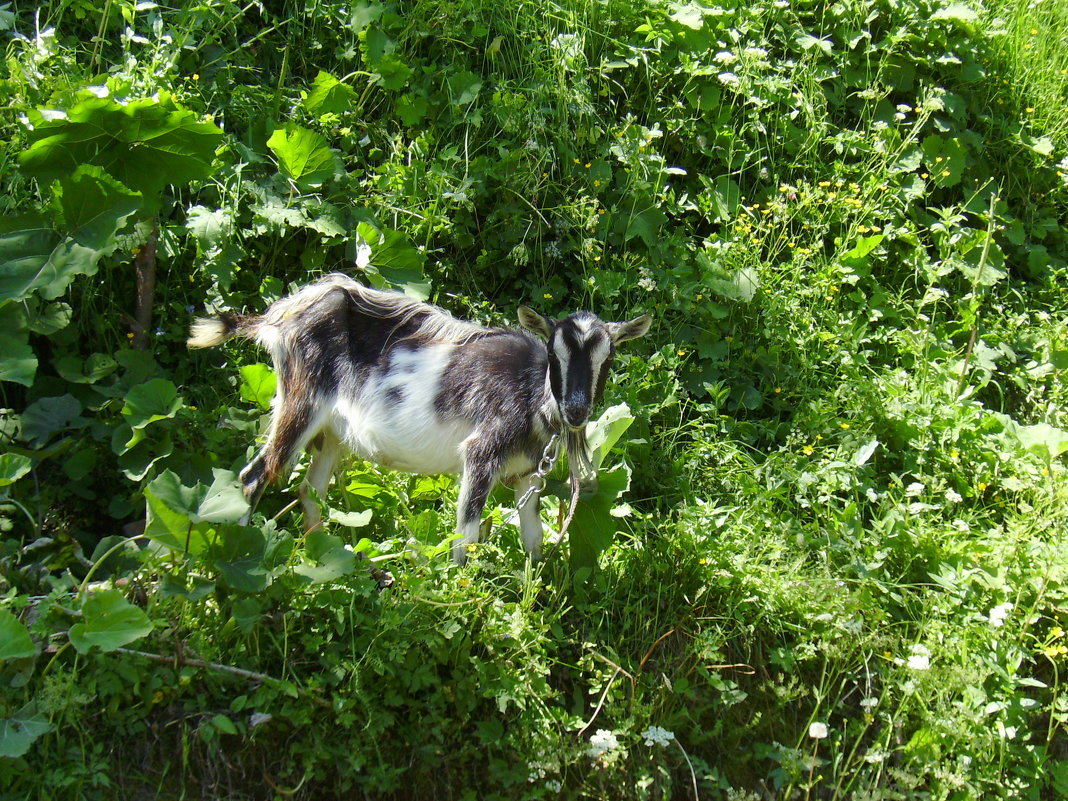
480,471
529,516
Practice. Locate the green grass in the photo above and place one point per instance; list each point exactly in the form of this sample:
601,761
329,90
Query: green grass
840,570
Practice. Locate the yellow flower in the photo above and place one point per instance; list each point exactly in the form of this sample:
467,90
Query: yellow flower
807,450
843,426
982,485
548,296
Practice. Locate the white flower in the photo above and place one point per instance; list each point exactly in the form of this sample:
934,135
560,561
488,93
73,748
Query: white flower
655,735
999,613
953,496
919,658
725,57
728,78
914,489
869,703
756,52
601,743
817,731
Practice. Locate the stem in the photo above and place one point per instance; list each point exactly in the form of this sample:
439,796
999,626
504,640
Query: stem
179,660
975,289
100,561
145,265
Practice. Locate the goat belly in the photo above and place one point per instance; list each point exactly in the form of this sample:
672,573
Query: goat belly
393,422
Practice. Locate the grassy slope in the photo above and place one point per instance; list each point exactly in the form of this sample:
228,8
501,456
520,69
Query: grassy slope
832,529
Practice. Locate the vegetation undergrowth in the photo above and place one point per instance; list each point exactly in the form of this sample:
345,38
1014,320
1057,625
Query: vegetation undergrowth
828,559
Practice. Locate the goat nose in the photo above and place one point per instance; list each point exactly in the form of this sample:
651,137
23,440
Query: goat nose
576,413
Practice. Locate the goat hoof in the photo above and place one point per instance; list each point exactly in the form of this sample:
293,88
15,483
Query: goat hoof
383,577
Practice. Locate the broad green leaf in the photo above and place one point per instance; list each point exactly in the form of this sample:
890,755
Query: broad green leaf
48,416
412,108
691,15
605,431
393,74
211,227
222,502
87,371
138,450
464,88
956,12
808,42
945,158
18,363
644,220
1043,440
240,556
865,452
13,466
594,525
18,732
856,258
223,724
392,259
91,207
329,559
351,519
726,195
110,622
144,144
180,517
328,95
364,13
303,156
150,402
50,318
15,642
258,383
87,204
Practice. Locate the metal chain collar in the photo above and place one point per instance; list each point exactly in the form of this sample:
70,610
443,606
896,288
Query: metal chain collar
545,466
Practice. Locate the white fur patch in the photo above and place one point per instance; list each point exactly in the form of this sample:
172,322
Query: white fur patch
408,435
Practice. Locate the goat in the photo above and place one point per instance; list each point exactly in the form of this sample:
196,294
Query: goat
408,386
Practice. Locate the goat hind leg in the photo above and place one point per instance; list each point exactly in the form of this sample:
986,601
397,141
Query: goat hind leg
290,430
320,471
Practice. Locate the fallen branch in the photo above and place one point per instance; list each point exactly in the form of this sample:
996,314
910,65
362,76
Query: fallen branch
182,661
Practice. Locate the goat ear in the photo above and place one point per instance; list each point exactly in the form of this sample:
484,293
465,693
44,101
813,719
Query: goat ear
632,329
530,319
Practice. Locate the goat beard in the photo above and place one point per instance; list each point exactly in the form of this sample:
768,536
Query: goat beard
581,468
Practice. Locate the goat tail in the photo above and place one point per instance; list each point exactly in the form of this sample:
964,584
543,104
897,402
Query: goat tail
207,332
